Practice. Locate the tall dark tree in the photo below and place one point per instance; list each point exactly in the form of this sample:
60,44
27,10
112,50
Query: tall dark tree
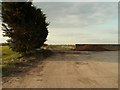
25,25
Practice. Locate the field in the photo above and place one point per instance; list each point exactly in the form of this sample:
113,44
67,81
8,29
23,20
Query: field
62,47
84,69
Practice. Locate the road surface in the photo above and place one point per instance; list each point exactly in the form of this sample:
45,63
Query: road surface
69,70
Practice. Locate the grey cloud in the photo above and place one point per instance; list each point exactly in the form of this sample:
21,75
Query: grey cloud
67,20
78,14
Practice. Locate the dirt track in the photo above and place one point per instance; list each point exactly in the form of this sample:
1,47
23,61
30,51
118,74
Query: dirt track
85,70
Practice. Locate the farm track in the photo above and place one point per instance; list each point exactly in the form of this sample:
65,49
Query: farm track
71,70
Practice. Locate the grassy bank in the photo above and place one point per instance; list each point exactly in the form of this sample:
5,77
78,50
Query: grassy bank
9,56
13,62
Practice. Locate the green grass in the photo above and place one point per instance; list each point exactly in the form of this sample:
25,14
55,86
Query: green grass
8,56
62,47
10,62
12,65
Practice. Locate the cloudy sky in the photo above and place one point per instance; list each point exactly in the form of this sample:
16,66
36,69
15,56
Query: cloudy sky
81,22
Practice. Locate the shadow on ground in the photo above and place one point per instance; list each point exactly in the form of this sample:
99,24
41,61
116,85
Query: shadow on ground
25,63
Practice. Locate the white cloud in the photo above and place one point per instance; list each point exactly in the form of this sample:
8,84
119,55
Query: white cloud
83,22
78,14
76,0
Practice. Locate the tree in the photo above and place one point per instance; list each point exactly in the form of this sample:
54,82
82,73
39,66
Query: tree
25,25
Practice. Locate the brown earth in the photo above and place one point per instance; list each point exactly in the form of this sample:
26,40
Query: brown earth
93,48
97,47
83,70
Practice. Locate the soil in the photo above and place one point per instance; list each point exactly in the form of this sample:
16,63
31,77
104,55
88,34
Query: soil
71,70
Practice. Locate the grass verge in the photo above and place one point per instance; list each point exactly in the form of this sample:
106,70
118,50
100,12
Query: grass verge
13,62
62,47
9,58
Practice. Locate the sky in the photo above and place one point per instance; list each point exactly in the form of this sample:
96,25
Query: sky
73,0
80,22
